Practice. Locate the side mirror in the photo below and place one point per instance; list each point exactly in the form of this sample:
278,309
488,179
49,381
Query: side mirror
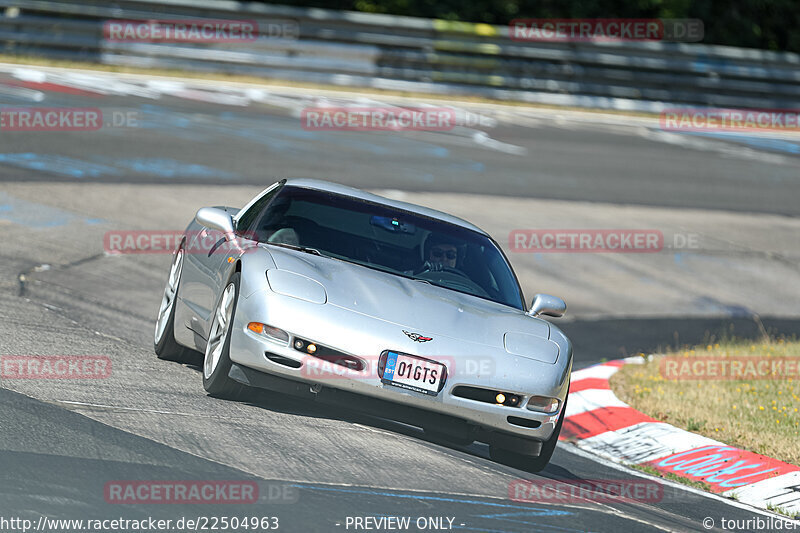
544,304
214,218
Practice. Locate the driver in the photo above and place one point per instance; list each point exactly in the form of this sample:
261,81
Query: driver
440,252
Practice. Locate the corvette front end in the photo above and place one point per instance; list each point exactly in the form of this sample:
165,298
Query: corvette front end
331,346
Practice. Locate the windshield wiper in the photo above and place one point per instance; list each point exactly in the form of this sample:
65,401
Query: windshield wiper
305,249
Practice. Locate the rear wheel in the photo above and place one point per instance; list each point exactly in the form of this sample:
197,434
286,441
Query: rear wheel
526,462
217,362
166,347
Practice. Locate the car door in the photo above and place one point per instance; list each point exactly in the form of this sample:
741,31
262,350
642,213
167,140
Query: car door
207,252
203,256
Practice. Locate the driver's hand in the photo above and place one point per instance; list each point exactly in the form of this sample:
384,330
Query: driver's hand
432,266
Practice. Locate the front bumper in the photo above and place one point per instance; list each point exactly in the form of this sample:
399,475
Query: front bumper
475,365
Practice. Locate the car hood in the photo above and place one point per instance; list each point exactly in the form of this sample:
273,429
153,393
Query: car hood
415,306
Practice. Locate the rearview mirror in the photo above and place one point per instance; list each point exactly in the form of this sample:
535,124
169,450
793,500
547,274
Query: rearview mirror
544,304
393,225
214,218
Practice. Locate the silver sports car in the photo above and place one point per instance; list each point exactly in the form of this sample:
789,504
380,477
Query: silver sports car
408,313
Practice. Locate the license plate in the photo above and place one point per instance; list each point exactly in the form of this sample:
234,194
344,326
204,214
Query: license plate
413,373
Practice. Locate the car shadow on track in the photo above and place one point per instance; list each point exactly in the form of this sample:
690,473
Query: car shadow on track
295,406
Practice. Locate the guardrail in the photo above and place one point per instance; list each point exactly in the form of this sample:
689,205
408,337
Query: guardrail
414,54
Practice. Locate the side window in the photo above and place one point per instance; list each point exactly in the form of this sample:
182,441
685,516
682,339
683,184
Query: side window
245,224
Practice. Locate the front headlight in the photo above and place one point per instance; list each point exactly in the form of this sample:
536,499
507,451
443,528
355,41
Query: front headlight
530,346
543,404
296,286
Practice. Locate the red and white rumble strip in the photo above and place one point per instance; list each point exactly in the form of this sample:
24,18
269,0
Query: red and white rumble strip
599,422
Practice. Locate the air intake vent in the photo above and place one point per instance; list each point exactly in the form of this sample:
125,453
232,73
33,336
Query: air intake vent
281,360
524,422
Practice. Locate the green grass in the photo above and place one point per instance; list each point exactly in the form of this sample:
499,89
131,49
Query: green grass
672,477
784,512
760,415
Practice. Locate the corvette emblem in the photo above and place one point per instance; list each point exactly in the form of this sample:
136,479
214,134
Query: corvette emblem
417,337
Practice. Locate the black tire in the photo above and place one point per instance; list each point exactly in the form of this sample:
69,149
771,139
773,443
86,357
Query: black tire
526,462
219,384
167,348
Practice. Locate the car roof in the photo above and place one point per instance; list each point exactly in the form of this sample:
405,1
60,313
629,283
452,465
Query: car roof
337,188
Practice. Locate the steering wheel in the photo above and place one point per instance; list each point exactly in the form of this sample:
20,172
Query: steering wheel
427,266
451,275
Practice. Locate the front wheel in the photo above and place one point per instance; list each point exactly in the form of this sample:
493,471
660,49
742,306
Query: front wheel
217,361
164,343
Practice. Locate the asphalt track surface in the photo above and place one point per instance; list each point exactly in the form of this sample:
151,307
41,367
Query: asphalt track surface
60,294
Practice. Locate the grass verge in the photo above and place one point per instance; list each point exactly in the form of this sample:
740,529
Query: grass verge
781,510
672,477
758,415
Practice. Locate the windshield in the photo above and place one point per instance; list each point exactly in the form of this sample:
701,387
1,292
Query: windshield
388,239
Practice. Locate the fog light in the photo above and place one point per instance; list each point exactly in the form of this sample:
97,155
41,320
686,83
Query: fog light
299,344
500,398
311,348
543,404
270,333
